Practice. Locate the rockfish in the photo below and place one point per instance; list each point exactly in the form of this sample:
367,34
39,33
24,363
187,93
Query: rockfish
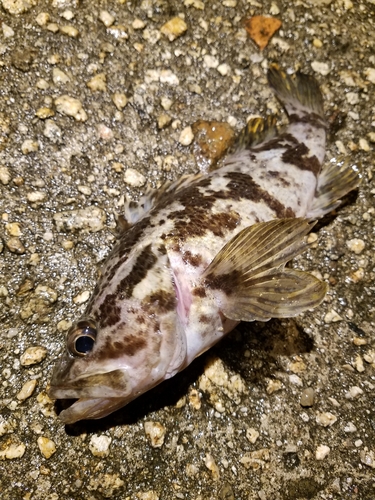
204,253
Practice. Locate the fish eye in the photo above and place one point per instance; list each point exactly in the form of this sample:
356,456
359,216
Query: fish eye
81,338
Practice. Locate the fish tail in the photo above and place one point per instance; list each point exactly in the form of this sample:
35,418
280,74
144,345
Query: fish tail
299,93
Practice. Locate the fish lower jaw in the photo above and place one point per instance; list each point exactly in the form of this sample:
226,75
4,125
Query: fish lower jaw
91,409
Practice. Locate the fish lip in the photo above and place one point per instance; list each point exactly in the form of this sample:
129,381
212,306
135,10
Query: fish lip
91,409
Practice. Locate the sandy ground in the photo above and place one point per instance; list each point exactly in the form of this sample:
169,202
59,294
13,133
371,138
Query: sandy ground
231,426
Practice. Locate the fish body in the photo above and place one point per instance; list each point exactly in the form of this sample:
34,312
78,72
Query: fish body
203,254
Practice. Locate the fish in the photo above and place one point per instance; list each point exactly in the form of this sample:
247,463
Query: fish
204,253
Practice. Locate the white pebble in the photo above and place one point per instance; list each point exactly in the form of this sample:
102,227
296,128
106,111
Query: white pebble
252,435
138,24
223,69
36,196
166,76
322,452
364,145
326,419
356,245
354,392
42,18
4,175
70,106
33,355
59,76
82,297
210,61
155,431
29,146
320,67
13,451
99,445
352,98
7,31
370,74
186,136
332,317
106,18
46,446
307,397
119,100
91,219
296,380
134,178
350,427
27,390
69,31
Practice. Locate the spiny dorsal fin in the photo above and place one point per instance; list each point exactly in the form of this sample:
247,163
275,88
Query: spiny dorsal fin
248,275
136,210
257,131
298,92
336,179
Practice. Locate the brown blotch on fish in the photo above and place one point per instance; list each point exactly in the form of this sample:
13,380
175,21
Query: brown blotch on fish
109,311
145,261
203,318
194,259
162,300
243,186
297,156
227,283
199,291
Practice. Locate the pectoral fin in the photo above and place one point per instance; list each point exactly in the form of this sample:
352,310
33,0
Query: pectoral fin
336,179
248,275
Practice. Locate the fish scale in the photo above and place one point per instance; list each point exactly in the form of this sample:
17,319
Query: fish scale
204,253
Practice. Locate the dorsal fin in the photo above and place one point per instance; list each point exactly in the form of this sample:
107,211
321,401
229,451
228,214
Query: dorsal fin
257,131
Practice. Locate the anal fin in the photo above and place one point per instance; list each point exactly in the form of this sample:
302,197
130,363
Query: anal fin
336,179
248,275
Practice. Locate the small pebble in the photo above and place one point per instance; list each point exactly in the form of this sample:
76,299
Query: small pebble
13,229
59,76
15,245
70,106
106,18
36,196
364,145
210,463
44,113
354,392
164,120
307,397
368,458
33,355
12,451
27,390
155,431
322,452
326,419
118,32
29,146
42,18
356,245
352,98
166,103
174,28
273,386
81,298
210,62
100,445
91,219
16,7
186,136
138,24
69,31
134,178
98,83
358,364
332,317
53,27
370,74
320,67
317,43
350,427
252,435
4,175
68,15
119,100
195,399
46,446
223,69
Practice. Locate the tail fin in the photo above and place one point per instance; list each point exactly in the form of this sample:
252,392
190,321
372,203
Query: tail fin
299,93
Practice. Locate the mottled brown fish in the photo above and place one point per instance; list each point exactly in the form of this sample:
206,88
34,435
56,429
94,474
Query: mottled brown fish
203,254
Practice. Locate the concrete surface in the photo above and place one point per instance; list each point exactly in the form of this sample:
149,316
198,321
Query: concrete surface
232,423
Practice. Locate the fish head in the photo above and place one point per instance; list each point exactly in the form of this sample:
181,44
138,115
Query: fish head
121,348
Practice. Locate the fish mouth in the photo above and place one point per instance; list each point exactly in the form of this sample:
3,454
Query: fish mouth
98,394
91,409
